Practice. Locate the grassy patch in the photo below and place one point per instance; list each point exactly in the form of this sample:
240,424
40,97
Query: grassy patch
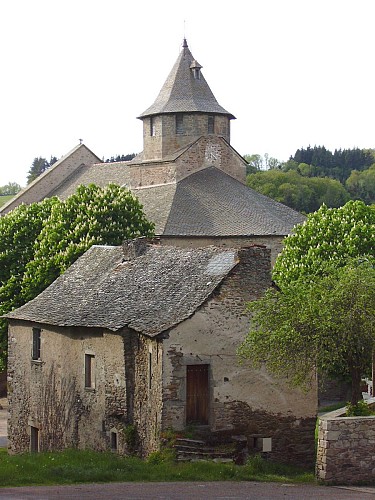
335,406
4,199
73,466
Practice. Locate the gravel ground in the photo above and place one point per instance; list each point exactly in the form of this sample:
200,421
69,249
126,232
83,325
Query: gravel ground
184,491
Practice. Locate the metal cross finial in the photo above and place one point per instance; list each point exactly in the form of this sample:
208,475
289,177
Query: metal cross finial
80,141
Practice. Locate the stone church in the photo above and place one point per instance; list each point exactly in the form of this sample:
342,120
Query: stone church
189,178
144,337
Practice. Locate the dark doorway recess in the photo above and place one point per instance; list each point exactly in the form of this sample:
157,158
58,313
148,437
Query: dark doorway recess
197,394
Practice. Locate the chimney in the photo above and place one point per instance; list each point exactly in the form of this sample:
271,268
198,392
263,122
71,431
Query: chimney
132,249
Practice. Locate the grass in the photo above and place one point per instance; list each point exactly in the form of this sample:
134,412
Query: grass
71,467
4,199
335,406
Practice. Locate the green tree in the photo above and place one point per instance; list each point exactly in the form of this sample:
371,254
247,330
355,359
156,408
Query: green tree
255,163
321,312
329,236
361,185
324,325
39,166
337,165
118,158
302,193
19,229
10,189
41,240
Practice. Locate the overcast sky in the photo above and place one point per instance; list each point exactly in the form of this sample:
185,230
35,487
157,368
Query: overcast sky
293,72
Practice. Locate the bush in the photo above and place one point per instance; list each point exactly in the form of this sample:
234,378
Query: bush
361,409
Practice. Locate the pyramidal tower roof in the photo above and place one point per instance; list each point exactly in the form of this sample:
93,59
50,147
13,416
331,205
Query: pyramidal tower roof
185,90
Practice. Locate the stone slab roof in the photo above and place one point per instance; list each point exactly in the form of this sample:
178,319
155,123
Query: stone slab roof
50,180
100,174
150,293
206,203
157,202
212,203
182,93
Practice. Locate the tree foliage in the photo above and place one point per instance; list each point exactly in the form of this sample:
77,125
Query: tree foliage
39,166
117,158
301,193
322,312
361,185
325,325
258,162
41,240
337,165
9,189
324,177
329,236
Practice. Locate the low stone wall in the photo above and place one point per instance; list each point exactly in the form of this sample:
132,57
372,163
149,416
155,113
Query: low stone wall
346,448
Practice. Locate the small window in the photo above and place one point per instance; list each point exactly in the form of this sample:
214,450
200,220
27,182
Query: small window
179,124
149,370
34,439
152,127
114,444
211,125
89,371
36,344
197,73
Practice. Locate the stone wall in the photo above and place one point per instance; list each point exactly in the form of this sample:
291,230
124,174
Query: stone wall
207,151
345,452
50,394
165,141
151,174
43,185
241,400
147,402
211,151
331,390
274,243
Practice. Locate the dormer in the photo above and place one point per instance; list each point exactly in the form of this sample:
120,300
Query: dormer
184,110
196,69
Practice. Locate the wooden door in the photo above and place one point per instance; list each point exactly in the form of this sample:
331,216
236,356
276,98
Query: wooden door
197,394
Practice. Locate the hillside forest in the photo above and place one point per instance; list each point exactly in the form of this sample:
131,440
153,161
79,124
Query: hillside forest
314,176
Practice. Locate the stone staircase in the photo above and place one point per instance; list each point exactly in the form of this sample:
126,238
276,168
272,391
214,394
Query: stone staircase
194,450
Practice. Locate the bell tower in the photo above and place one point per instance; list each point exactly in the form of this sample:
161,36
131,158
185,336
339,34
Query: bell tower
184,111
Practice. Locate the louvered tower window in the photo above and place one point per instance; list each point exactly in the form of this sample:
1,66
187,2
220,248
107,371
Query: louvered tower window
152,126
179,123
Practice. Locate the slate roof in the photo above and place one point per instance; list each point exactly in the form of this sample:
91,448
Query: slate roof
46,174
100,174
182,93
212,203
157,202
149,294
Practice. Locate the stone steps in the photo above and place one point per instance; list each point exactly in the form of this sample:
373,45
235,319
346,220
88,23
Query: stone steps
192,450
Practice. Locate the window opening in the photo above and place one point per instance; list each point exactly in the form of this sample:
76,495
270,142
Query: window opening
36,344
179,124
34,439
211,125
89,371
152,127
149,370
114,441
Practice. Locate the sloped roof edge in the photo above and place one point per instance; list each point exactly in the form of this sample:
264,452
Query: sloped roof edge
45,174
182,92
149,294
